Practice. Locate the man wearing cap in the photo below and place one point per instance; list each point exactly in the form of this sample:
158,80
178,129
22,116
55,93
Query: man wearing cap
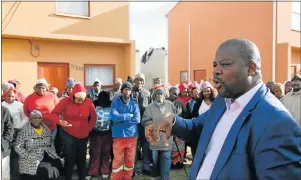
143,98
292,100
125,117
95,90
44,101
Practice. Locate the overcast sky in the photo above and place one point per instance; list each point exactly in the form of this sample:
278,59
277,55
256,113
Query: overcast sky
148,24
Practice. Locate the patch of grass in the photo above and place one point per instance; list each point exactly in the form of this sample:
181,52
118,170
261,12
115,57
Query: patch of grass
175,174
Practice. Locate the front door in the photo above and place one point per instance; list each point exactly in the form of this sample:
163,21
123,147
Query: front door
56,74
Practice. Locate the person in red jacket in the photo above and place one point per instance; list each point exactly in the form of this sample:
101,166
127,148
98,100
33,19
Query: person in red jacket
78,119
43,101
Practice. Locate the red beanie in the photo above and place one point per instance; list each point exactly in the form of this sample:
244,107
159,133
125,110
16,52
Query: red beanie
182,87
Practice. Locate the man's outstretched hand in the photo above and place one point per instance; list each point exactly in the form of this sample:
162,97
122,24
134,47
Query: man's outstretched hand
152,131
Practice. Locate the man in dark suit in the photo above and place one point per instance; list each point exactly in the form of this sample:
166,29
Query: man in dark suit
247,133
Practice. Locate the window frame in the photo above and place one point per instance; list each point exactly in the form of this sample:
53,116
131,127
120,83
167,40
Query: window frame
100,65
73,15
183,72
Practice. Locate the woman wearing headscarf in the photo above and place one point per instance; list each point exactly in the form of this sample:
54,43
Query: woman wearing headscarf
101,138
78,119
19,121
69,87
20,97
37,156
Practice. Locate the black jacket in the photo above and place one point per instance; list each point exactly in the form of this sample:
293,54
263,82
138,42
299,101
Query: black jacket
7,131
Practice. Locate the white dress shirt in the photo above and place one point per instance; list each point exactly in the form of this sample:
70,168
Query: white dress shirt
204,107
221,131
17,113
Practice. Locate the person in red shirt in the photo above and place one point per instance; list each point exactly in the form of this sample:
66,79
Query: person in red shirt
43,101
78,119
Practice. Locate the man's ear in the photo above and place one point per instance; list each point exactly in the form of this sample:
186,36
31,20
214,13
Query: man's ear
252,69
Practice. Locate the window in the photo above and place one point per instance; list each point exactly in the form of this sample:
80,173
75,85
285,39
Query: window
73,8
105,73
296,16
184,77
293,71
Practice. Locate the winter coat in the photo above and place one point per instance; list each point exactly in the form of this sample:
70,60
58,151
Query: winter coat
31,148
81,116
123,125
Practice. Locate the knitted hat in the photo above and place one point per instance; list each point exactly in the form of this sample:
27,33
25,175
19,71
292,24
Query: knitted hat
126,84
182,87
42,81
140,76
158,89
191,86
14,82
118,80
206,84
8,90
175,89
97,81
34,112
70,82
79,91
6,85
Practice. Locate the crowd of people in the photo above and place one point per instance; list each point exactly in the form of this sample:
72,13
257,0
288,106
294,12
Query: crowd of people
44,136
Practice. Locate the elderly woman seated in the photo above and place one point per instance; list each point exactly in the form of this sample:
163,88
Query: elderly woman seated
37,156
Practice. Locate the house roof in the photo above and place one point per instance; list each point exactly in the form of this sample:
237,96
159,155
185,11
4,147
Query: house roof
71,37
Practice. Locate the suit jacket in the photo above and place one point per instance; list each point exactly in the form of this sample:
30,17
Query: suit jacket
263,143
31,148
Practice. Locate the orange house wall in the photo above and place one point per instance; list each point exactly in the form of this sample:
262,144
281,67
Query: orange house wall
211,24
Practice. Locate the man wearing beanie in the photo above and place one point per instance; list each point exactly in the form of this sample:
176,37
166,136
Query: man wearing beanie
125,117
143,98
161,153
292,100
